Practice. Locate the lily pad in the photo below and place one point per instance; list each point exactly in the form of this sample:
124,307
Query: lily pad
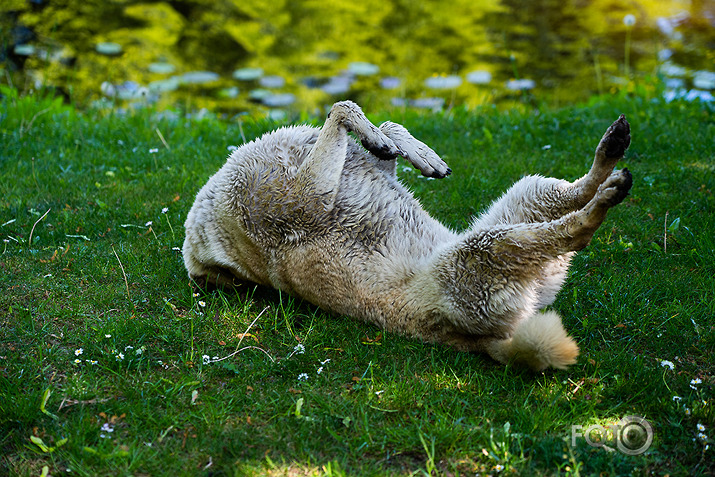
704,79
277,114
162,68
337,85
434,104
278,100
272,81
520,84
198,77
161,86
443,82
258,94
108,48
390,82
247,74
362,68
24,50
479,77
229,92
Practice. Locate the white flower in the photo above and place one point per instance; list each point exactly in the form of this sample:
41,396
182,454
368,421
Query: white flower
320,370
498,467
206,359
299,349
153,150
232,148
700,427
164,210
120,356
202,303
687,411
77,361
106,427
92,362
148,224
195,295
107,336
78,351
695,382
546,147
667,364
703,437
629,20
677,398
303,377
325,362
128,347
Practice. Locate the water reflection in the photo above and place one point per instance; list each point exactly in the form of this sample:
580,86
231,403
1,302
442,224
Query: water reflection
258,55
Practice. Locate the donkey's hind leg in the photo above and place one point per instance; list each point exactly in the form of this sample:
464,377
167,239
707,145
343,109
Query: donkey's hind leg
418,153
319,175
542,199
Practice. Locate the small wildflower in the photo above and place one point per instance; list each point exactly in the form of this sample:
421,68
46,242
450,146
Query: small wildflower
92,362
546,147
303,377
687,411
202,303
325,362
695,382
703,437
195,295
320,370
206,359
78,351
700,427
153,150
127,347
667,364
107,336
176,249
298,349
120,356
148,224
677,398
498,467
232,148
77,361
629,20
164,210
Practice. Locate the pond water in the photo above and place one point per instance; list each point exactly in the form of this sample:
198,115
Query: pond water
272,57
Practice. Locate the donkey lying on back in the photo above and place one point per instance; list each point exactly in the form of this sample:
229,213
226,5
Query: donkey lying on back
311,212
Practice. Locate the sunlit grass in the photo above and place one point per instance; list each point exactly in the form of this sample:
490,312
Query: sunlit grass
171,381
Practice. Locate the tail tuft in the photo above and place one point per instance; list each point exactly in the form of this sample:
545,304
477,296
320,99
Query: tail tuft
541,341
538,342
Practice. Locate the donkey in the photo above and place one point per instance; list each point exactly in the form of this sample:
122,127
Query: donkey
312,212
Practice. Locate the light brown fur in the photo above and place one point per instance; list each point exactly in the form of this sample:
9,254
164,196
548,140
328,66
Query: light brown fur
311,212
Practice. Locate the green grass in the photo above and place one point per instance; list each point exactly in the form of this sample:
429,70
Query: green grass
95,277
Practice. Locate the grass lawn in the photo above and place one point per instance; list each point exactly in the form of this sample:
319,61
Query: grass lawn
105,350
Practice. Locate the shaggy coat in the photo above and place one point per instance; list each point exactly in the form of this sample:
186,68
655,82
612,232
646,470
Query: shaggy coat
313,213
